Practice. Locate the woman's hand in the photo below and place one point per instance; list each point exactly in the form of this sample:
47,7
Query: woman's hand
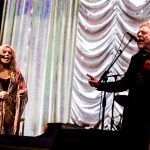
93,81
4,95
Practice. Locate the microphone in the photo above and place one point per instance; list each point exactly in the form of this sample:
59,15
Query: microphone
132,37
1,56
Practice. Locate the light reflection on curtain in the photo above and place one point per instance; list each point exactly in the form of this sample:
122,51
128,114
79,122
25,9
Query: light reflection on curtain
101,27
43,33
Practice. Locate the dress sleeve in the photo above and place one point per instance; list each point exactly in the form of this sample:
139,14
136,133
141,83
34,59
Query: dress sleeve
22,92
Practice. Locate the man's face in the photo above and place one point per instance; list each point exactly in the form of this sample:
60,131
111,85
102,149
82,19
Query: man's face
144,37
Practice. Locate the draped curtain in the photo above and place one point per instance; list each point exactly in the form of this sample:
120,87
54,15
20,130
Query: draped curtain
43,33
101,35
57,43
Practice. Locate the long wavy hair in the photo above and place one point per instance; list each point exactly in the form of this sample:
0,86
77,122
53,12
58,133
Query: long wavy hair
12,65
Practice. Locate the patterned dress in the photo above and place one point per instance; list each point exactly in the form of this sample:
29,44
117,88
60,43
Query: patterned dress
12,108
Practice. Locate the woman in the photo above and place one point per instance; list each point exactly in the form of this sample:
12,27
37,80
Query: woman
13,92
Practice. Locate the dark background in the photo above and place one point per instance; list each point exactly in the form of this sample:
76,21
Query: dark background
1,10
1,15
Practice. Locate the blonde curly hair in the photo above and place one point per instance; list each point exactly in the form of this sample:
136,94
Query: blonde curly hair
12,67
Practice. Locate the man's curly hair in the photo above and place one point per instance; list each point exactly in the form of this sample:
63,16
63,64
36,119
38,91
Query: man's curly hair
145,24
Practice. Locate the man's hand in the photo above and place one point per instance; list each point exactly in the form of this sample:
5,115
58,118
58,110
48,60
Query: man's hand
93,81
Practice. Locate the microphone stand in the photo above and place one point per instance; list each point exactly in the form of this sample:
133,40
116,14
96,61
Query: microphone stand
104,78
112,112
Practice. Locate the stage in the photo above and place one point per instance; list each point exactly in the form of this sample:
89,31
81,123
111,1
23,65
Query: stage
60,136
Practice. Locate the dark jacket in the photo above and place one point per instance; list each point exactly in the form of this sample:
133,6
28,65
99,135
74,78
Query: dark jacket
137,81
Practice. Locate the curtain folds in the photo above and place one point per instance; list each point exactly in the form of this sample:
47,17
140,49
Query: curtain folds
57,43
43,34
101,33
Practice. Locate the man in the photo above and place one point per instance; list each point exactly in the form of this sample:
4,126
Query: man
136,118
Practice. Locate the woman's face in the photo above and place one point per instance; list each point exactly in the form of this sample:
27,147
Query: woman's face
6,56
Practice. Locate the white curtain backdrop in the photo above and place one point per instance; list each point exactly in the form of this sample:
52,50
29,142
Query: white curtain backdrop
57,42
43,33
102,25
